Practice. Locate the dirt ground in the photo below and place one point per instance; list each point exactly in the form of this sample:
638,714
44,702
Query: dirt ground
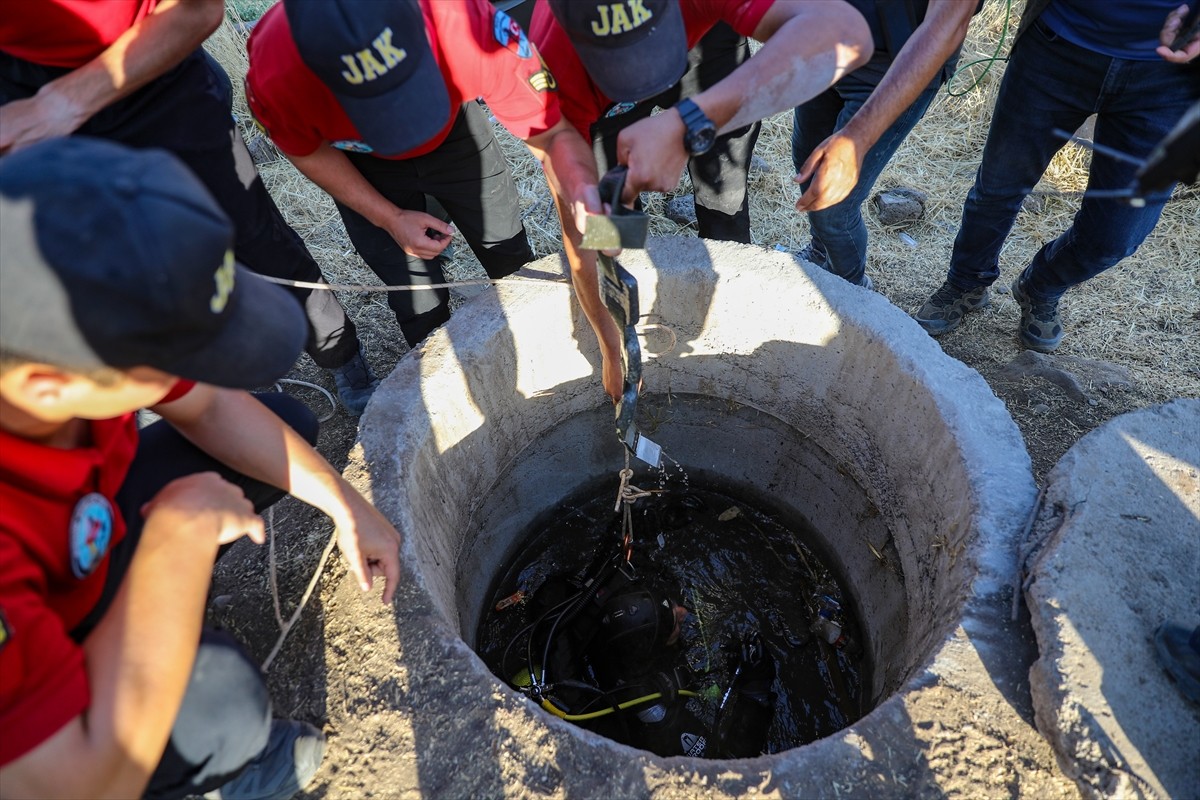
1143,316
1049,420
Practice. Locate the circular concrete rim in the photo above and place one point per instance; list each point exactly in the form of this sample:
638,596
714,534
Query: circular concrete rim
989,445
1118,550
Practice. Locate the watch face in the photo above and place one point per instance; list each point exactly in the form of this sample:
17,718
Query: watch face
699,141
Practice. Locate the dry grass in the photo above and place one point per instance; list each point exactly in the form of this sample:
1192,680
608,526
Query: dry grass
1143,314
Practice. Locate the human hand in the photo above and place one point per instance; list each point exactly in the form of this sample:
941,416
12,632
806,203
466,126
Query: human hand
33,119
834,168
412,231
370,545
207,503
652,149
587,205
1183,51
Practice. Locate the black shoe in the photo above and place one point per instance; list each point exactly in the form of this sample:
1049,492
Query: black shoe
944,311
355,383
1177,654
285,766
1040,328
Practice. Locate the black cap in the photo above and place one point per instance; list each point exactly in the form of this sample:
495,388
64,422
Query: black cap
633,49
375,58
112,257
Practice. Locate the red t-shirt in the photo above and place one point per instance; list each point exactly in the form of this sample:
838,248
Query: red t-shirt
299,112
582,101
66,33
58,522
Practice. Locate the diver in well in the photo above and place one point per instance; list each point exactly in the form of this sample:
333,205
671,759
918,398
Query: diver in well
612,665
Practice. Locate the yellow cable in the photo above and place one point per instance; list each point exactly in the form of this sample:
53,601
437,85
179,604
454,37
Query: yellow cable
558,712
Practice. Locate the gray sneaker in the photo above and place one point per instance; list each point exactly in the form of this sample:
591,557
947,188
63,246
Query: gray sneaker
944,311
355,383
285,766
1040,328
809,253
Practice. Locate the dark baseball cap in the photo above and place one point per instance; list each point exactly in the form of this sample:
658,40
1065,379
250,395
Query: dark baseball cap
375,58
632,49
114,257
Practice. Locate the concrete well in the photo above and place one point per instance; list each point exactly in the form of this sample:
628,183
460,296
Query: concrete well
820,397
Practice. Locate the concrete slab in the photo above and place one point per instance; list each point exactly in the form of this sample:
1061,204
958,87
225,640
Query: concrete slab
1121,554
869,430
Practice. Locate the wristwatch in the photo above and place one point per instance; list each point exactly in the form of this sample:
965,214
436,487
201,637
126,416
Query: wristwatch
700,133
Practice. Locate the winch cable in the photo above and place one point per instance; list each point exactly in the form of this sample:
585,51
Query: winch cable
607,697
586,594
528,629
558,712
627,495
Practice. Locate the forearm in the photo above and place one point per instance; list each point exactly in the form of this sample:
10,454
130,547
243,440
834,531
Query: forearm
140,655
331,170
240,432
570,170
586,283
144,52
808,48
570,167
937,38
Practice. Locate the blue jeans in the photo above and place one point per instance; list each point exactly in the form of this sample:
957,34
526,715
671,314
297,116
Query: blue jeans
1051,83
839,235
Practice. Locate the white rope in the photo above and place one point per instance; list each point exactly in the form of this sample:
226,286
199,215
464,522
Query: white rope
271,572
321,389
312,585
642,330
356,287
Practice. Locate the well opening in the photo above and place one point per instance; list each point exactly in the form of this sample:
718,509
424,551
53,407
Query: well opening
821,398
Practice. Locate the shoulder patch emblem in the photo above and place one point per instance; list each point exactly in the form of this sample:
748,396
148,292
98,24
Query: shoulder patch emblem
352,146
543,80
617,109
508,34
90,533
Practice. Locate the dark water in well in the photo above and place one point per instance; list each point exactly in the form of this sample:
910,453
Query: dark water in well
734,567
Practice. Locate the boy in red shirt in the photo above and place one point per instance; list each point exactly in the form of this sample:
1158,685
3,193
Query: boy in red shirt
374,102
133,71
119,290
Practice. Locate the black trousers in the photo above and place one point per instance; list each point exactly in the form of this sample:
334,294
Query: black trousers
468,175
188,111
718,176
226,713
